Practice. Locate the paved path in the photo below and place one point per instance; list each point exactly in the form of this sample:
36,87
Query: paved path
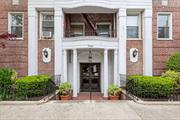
121,110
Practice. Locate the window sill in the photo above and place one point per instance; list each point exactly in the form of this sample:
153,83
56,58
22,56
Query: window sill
134,39
17,39
46,39
164,39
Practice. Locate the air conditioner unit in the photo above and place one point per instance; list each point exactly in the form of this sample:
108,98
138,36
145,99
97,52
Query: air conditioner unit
164,2
46,34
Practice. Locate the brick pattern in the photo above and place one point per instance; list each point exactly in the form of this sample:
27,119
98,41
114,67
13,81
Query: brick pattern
45,68
95,18
137,67
15,53
163,49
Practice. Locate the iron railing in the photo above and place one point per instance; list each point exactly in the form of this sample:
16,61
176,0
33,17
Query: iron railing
147,95
11,93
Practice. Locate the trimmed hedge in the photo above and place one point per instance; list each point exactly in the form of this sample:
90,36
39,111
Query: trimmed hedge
34,85
175,76
174,62
150,87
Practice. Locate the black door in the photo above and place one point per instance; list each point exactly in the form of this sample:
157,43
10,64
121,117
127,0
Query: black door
90,77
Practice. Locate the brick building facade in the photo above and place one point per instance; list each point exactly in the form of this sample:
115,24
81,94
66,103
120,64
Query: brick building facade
88,23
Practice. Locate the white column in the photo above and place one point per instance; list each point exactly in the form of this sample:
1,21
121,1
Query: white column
65,65
32,42
115,66
58,24
105,73
75,73
122,40
147,43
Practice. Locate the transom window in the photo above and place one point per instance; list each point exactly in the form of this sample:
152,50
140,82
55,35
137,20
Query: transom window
164,26
104,29
16,24
133,26
77,29
47,25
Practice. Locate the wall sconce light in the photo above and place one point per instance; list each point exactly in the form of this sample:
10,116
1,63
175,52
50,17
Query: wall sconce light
46,52
133,54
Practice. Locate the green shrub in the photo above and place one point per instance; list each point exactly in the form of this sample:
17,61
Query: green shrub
175,76
174,62
37,85
7,78
65,88
114,90
150,87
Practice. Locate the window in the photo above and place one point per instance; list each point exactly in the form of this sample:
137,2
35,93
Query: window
16,24
47,25
133,26
15,2
164,26
77,29
104,29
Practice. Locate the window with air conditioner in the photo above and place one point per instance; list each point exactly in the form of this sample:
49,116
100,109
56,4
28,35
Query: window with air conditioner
16,24
47,25
164,26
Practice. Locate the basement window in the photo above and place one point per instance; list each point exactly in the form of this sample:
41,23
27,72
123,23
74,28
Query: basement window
16,24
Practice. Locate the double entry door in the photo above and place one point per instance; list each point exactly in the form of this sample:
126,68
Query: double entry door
90,77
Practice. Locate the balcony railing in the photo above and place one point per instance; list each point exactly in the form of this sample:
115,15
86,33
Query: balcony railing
108,34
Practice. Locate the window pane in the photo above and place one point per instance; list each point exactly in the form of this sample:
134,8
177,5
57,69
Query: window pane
163,20
77,30
103,30
48,17
163,32
47,26
16,19
132,32
16,31
132,21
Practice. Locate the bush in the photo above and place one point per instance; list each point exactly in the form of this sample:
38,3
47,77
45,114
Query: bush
65,89
7,78
37,85
175,76
150,87
174,62
114,90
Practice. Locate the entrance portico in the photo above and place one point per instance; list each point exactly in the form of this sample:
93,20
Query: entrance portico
104,61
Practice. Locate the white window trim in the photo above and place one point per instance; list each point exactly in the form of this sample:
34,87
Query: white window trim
9,23
80,23
170,24
139,30
40,24
105,23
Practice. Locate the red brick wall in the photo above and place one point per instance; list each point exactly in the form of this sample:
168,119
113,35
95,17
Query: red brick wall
137,67
163,49
95,18
15,53
45,68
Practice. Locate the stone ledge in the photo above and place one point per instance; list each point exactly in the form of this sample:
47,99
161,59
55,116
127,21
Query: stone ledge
42,101
139,101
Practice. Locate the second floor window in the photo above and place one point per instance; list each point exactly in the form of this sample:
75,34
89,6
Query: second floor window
132,26
47,25
77,29
16,24
164,26
103,29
